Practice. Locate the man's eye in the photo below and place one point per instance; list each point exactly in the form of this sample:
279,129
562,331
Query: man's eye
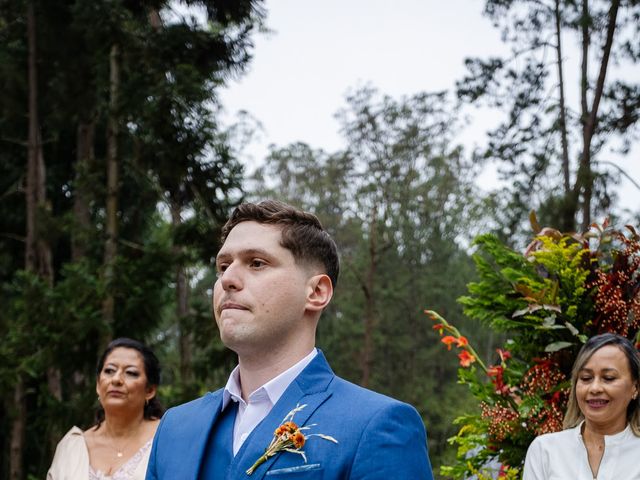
255,263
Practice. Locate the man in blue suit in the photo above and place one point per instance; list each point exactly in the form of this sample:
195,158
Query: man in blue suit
276,272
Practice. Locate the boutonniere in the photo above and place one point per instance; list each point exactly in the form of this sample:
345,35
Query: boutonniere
288,437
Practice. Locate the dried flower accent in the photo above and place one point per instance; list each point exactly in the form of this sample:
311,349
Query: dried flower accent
549,419
542,378
288,437
503,421
617,289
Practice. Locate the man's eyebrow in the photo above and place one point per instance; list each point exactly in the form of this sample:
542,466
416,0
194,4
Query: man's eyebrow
244,253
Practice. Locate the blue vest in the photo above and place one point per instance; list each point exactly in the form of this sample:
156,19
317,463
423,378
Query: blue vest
218,454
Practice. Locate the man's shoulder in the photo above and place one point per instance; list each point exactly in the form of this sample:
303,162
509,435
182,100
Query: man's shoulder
365,402
346,387
207,401
321,376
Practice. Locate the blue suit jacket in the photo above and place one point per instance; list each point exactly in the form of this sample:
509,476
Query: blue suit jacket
379,437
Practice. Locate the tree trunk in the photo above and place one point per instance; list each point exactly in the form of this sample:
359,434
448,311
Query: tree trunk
38,257
154,19
84,159
370,302
573,200
18,426
591,120
567,217
111,246
37,251
182,306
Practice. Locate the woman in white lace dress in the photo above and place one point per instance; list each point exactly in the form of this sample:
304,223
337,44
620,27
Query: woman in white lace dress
117,447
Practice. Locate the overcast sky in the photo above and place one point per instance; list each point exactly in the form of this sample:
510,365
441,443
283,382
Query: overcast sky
319,50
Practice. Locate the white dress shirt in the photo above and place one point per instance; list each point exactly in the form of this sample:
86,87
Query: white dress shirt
563,456
261,401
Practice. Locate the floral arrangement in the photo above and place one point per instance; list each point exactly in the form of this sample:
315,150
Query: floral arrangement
288,437
546,302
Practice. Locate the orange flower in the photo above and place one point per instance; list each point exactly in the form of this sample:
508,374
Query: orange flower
448,341
466,359
291,427
286,428
298,439
439,327
462,342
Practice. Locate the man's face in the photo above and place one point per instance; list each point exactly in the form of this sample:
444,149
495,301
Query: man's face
260,296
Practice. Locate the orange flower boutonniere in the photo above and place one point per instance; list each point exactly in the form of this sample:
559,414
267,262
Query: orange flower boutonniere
288,437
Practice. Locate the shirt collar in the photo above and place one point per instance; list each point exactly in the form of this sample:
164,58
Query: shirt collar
273,389
609,439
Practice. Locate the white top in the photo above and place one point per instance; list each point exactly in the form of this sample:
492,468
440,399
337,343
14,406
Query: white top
261,401
563,456
71,461
126,471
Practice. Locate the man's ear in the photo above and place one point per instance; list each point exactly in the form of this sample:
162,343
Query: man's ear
319,292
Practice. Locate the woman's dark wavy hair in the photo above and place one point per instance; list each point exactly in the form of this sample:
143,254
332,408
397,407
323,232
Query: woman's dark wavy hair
153,409
574,416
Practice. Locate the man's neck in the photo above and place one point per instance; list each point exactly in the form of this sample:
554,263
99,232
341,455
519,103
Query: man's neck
257,370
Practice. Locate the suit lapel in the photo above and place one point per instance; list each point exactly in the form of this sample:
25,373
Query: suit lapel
201,426
310,388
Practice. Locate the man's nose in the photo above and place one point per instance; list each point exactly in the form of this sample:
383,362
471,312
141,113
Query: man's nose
231,278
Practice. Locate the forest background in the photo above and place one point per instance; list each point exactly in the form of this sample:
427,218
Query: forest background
116,174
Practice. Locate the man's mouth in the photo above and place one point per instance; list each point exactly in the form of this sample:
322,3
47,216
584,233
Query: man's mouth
232,306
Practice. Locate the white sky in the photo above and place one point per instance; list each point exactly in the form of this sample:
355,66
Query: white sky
318,50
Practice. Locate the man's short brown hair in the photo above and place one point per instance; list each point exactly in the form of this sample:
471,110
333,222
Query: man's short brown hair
302,233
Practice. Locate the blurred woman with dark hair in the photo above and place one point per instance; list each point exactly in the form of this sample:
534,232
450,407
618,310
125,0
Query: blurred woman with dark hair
117,447
601,439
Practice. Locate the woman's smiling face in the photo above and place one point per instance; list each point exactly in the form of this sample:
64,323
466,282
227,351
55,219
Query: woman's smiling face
604,389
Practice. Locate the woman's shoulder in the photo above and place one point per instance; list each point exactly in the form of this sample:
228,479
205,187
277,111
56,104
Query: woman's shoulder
71,456
72,440
75,434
